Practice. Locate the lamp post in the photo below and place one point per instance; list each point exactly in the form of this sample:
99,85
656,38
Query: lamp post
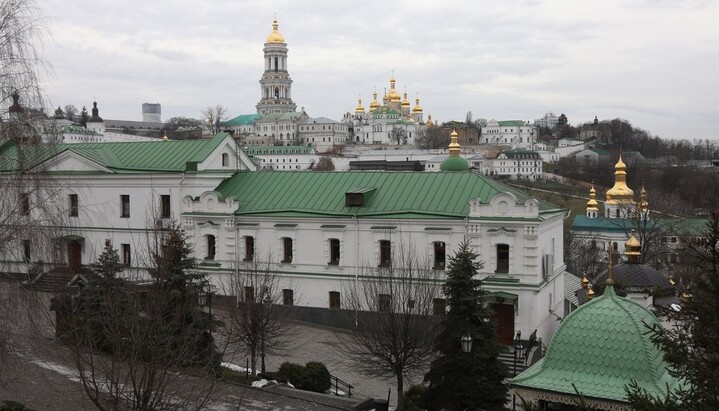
467,349
518,348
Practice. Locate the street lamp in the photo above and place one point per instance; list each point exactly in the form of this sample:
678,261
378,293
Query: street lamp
467,344
518,348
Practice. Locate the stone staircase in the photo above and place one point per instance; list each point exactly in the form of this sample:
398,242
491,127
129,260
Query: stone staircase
507,357
53,281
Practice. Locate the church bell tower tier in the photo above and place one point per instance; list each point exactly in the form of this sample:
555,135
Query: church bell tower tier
276,84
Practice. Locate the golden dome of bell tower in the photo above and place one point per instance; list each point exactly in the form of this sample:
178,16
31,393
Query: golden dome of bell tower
592,205
275,36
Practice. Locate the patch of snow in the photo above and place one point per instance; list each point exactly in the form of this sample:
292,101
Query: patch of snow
338,392
235,367
261,383
290,384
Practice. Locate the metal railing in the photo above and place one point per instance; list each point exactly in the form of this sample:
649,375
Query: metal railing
339,383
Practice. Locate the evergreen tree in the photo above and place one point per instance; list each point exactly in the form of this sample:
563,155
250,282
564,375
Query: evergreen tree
108,265
691,345
83,117
459,380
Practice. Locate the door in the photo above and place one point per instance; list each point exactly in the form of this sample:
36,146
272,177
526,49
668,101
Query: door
74,255
504,317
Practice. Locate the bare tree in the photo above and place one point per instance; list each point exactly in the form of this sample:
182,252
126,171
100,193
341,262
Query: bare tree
256,324
324,164
22,31
212,116
432,138
395,323
399,135
583,257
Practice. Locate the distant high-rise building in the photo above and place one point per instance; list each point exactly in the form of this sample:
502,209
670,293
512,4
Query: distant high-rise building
151,112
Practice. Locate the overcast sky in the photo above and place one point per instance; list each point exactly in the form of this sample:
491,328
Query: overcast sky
652,62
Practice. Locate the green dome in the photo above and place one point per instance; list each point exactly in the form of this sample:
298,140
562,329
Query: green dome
600,348
452,163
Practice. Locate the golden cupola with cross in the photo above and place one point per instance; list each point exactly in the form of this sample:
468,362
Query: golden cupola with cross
620,198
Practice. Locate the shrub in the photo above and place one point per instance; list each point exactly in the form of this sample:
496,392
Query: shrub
293,373
414,398
13,406
317,377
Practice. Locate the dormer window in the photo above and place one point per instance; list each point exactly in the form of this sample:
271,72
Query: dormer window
354,199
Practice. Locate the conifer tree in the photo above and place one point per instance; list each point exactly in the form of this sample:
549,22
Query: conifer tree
691,345
84,116
458,380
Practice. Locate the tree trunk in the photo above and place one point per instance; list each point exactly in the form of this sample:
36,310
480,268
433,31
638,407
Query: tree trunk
253,360
400,392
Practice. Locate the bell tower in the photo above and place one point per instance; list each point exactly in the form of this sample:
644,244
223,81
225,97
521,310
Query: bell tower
275,84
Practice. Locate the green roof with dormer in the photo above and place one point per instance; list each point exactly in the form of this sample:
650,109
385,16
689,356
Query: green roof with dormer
124,157
241,120
395,194
599,349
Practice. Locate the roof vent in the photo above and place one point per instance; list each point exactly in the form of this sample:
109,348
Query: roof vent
358,197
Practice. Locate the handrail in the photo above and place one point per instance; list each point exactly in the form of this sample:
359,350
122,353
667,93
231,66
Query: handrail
343,384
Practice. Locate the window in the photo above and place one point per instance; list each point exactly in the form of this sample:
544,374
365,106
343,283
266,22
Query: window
210,242
335,300
249,248
440,257
288,297
25,203
286,250
385,253
334,251
126,258
165,206
26,250
225,159
249,294
125,206
502,258
74,206
384,303
439,306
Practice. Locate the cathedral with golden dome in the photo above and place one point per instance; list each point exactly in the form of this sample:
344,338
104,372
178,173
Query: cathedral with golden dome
621,213
393,121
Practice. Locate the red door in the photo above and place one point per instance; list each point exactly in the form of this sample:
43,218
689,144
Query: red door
74,255
504,316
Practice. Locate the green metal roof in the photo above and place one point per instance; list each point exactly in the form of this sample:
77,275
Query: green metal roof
385,110
600,348
241,120
513,123
399,195
584,223
154,156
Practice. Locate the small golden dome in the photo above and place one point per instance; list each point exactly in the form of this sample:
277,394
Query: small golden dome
590,294
374,104
585,281
405,102
620,192
643,203
454,149
632,248
393,95
360,107
164,137
417,108
275,36
429,120
592,204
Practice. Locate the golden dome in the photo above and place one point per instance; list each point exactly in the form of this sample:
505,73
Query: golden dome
592,204
429,120
632,248
620,192
590,294
454,149
275,36
643,203
585,281
393,95
360,107
405,102
417,108
374,104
